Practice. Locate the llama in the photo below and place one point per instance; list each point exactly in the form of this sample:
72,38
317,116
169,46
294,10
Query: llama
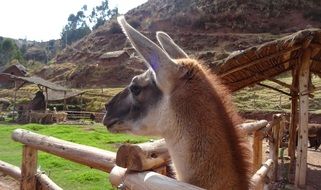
185,104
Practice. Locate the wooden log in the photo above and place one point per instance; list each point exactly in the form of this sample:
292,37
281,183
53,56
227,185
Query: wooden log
10,170
258,178
301,162
89,156
257,151
282,84
28,168
45,183
119,177
292,128
253,126
274,150
275,89
144,156
263,132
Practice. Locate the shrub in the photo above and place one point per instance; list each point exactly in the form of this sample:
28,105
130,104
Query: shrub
115,28
313,14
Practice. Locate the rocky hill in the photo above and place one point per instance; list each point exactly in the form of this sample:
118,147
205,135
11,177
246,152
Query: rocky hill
206,29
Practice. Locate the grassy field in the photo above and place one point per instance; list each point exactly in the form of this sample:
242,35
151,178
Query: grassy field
66,174
258,98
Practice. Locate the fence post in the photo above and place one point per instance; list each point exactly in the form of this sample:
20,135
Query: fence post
28,168
257,151
274,152
257,154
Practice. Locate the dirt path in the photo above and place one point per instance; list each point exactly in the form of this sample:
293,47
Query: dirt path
314,169
8,183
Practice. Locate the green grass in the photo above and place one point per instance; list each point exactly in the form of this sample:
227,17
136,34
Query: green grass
65,173
258,98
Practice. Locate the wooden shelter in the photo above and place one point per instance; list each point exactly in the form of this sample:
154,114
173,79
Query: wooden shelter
299,53
43,85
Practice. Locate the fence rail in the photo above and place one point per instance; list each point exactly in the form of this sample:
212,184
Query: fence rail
129,158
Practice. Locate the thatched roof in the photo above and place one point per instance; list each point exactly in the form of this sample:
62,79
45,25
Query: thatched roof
34,80
16,69
59,95
255,64
113,54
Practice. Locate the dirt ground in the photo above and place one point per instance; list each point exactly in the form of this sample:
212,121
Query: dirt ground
314,169
8,183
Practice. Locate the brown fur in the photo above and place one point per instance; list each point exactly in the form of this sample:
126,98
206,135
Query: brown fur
218,155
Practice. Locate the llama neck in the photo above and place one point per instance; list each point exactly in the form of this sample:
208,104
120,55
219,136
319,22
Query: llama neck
203,142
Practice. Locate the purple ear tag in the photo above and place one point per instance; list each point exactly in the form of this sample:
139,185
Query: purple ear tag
154,62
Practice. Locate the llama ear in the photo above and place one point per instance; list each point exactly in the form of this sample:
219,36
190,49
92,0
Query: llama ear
172,49
157,60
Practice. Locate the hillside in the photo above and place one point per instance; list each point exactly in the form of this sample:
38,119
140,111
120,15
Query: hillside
206,29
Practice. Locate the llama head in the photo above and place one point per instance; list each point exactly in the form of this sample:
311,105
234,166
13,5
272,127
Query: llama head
137,108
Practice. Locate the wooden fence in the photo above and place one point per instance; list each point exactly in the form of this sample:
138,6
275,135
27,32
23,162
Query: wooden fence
136,167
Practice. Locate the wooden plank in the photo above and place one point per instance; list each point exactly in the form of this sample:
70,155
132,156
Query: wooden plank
86,155
258,178
144,156
10,170
28,168
260,60
301,162
119,177
45,183
257,151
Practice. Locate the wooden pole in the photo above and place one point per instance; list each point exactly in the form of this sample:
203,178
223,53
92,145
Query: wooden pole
65,102
253,126
11,170
294,115
119,177
259,176
257,151
45,183
14,100
46,91
86,155
28,168
301,162
144,156
274,150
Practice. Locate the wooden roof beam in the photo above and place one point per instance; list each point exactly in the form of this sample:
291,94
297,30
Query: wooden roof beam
261,60
282,84
273,88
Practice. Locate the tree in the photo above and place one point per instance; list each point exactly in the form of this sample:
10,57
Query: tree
100,14
77,26
9,51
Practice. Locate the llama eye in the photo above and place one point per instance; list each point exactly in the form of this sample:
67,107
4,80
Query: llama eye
135,90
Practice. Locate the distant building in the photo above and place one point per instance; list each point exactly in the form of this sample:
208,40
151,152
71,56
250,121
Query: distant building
115,56
17,69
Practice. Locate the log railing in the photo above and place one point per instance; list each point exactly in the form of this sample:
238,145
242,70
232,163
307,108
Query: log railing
136,164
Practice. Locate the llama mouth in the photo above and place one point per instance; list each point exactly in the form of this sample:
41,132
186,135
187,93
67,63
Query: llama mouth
109,123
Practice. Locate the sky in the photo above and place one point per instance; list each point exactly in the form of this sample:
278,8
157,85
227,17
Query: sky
43,20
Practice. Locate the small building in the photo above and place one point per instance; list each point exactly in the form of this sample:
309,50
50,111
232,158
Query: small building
115,56
17,70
